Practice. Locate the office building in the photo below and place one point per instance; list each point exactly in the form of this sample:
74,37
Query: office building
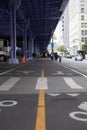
74,25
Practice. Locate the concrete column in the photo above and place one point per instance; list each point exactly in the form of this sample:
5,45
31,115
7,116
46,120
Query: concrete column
25,41
30,45
13,5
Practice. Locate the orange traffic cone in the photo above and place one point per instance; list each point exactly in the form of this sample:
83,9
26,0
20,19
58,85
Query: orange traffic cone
23,60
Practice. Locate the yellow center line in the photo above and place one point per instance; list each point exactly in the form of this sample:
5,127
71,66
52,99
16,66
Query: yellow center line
40,120
42,73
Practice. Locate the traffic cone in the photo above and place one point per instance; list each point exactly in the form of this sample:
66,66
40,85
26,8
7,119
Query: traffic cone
23,60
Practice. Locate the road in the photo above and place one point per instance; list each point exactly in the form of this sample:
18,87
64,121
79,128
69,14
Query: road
80,66
42,95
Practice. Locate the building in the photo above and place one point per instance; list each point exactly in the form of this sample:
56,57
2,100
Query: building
77,24
74,25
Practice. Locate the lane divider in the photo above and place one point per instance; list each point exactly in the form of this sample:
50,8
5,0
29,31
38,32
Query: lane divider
40,119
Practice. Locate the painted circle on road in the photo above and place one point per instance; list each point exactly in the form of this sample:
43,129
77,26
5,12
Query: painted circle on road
8,103
75,115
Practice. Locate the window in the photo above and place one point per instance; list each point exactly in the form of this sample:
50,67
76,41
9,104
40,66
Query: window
86,25
83,39
82,25
85,32
82,10
82,3
82,17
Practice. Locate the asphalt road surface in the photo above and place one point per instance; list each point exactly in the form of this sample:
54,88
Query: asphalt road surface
42,95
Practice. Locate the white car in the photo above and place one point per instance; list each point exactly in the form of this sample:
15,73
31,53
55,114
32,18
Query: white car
3,55
78,57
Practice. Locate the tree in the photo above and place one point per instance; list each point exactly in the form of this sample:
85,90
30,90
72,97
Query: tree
84,47
62,48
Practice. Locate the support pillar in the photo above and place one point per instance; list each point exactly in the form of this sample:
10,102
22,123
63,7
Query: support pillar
34,46
25,41
30,45
13,59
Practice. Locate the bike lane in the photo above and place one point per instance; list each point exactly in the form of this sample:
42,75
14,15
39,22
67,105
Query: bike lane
66,111
18,112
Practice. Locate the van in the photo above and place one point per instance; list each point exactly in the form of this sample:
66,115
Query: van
4,55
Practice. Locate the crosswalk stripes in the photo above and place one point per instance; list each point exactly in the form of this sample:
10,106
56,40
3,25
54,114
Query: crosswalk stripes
42,83
9,84
71,83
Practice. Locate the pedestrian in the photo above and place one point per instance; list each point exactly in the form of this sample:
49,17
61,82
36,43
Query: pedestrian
60,59
51,56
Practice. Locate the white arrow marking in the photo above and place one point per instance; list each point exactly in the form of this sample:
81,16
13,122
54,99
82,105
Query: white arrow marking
73,94
70,82
54,94
42,83
58,73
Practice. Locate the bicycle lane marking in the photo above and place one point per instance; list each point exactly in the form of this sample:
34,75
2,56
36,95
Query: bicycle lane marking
40,119
76,114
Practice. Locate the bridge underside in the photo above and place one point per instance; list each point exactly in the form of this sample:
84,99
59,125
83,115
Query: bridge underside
39,16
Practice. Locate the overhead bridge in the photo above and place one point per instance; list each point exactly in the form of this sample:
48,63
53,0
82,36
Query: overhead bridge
32,21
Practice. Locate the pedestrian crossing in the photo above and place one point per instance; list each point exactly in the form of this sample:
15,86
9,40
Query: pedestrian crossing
70,82
42,83
9,84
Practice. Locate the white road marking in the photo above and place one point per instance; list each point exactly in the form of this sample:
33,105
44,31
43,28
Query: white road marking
9,84
70,82
54,94
83,106
73,94
58,73
42,83
6,71
76,115
75,71
80,115
8,103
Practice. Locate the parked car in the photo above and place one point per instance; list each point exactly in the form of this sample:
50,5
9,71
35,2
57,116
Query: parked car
67,55
78,57
3,55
